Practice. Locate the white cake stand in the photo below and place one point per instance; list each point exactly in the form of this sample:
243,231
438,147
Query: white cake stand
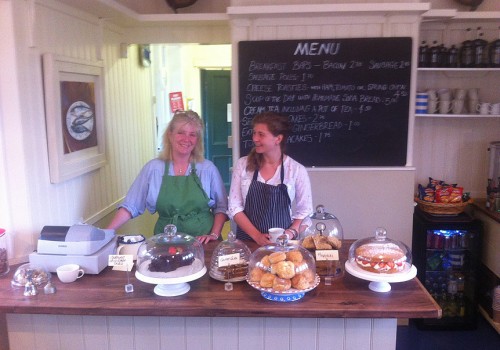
171,284
380,282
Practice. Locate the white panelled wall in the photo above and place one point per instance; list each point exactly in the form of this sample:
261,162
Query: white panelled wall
34,202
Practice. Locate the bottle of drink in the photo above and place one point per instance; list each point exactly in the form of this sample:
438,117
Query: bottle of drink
4,259
423,55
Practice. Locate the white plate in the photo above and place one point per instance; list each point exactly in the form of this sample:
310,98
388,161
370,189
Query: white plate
380,281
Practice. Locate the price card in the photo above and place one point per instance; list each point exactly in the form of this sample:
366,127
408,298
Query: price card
322,255
121,262
229,259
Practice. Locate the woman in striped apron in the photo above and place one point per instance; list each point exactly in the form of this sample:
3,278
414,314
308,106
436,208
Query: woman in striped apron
269,188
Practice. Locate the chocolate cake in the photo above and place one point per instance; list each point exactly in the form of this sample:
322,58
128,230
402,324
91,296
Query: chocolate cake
170,259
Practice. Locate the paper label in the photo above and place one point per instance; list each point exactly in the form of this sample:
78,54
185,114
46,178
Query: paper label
322,255
121,262
230,259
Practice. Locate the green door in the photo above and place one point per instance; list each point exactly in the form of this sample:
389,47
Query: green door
216,96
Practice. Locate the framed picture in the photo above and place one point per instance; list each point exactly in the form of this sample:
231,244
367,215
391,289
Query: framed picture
74,116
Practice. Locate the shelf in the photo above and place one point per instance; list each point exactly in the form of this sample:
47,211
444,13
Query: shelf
457,116
472,70
453,14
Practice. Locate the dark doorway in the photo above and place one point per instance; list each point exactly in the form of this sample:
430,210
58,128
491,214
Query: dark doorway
216,96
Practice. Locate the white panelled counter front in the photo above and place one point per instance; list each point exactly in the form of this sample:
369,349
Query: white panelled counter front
95,312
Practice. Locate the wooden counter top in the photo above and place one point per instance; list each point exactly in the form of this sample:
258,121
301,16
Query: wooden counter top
104,294
480,204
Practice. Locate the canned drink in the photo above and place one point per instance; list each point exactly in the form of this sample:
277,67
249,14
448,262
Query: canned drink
430,239
438,241
447,242
454,241
464,241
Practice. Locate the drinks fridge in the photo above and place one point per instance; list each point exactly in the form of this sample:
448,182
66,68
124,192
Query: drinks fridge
446,252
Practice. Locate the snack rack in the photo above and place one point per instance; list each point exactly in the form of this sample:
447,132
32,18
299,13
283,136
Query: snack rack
446,251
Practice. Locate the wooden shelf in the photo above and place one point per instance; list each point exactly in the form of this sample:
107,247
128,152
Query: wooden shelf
457,116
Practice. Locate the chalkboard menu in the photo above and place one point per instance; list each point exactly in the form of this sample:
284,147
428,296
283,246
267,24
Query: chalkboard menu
347,99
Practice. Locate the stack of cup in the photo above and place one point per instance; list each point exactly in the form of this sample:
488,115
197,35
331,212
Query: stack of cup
457,106
432,103
496,304
473,100
444,101
421,103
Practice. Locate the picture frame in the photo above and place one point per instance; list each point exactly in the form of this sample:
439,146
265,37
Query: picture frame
74,116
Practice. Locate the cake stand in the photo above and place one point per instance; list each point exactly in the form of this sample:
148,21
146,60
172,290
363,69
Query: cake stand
286,296
170,284
380,282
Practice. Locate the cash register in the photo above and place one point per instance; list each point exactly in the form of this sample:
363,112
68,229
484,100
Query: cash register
82,244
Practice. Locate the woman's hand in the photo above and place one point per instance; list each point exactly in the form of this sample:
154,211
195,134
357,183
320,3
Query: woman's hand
262,239
207,238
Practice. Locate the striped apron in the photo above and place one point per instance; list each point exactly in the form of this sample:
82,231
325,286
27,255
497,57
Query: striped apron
266,206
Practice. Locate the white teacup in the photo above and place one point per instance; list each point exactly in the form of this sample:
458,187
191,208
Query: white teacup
472,106
473,94
457,106
129,245
432,106
274,233
495,108
69,273
459,94
483,108
444,107
444,94
432,94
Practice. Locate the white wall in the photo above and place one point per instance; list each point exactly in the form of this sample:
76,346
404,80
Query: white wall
31,199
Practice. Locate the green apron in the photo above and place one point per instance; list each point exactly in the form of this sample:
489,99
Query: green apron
183,202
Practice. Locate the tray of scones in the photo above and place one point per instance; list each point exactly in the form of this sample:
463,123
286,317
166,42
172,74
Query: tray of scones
282,269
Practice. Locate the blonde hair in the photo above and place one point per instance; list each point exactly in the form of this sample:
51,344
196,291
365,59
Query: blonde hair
179,119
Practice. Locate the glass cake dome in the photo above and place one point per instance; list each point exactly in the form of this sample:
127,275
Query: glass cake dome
380,254
323,238
229,261
282,271
170,260
381,261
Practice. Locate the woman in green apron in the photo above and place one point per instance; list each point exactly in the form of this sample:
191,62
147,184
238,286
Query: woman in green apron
180,185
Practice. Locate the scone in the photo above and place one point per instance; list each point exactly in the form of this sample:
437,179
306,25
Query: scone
267,280
294,256
276,257
281,284
255,275
300,281
285,269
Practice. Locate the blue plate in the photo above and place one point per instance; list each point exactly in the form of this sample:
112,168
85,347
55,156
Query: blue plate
284,298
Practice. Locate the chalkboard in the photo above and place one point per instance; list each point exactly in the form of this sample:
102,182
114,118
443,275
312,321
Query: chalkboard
347,99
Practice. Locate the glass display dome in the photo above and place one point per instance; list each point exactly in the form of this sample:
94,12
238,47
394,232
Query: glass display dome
282,271
323,238
170,260
230,259
380,260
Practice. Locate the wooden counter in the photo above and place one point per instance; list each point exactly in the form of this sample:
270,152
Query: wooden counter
98,307
104,294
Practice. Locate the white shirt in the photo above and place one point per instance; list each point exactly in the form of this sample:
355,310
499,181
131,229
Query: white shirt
296,180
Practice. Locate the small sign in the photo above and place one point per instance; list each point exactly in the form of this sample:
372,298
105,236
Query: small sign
230,259
121,262
176,102
323,255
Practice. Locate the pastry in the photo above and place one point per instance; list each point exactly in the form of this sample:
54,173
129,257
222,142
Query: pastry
265,261
308,243
276,257
380,258
294,256
281,284
267,280
285,269
255,275
300,281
